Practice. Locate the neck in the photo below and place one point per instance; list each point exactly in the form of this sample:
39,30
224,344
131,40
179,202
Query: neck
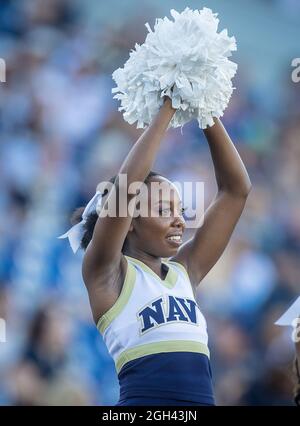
152,262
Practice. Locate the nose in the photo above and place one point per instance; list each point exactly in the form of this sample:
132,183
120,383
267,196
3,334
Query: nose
178,222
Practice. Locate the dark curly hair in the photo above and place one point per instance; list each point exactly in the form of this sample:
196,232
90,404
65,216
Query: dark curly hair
92,217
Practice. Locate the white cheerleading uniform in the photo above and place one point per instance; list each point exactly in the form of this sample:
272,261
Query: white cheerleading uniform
157,336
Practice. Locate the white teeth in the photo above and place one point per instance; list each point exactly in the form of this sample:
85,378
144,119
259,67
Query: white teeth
175,238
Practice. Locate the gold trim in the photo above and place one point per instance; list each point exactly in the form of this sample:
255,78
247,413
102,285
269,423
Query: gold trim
122,300
160,347
180,267
170,279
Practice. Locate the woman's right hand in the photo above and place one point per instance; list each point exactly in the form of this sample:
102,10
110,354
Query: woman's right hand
168,104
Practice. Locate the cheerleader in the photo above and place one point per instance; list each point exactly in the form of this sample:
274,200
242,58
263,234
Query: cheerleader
142,279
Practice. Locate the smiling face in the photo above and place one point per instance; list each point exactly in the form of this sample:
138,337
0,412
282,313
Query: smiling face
160,233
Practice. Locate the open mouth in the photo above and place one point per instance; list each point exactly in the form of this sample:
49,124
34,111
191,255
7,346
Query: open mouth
175,239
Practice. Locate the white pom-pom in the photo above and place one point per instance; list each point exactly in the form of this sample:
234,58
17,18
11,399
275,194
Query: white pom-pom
185,59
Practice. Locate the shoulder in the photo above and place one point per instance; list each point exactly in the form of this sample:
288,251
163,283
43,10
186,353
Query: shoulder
190,265
180,265
96,271
105,286
184,270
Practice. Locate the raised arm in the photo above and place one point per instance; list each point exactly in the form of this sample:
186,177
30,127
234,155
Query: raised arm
297,365
103,254
200,253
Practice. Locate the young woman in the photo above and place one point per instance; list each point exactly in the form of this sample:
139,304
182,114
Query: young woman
144,305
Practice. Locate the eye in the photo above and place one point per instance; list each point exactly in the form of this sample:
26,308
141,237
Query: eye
183,210
165,211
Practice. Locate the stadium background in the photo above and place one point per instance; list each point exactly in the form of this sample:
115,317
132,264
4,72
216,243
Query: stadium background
61,134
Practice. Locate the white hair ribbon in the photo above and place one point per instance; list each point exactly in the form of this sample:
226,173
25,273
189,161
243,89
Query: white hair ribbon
291,316
75,233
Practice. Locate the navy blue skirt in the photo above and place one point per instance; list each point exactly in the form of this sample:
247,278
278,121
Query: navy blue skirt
159,401
175,378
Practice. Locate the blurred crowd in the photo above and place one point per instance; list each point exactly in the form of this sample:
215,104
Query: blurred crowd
61,133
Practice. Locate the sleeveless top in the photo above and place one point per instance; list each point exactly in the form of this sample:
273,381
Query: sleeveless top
157,336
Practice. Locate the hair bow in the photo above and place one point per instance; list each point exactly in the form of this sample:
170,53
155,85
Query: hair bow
75,233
